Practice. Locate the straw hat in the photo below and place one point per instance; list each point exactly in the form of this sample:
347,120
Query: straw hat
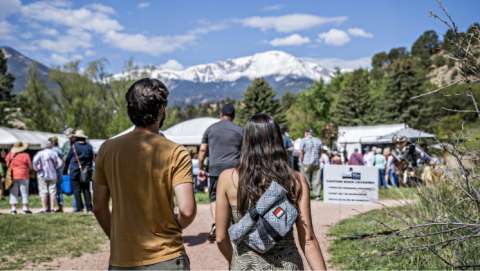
80,134
19,147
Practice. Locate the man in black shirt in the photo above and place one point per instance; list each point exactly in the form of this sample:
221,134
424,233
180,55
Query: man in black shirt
221,142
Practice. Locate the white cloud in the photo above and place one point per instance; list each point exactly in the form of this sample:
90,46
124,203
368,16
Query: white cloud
292,40
172,64
97,19
343,64
58,59
335,37
143,5
88,18
153,45
359,32
5,29
89,53
74,39
272,8
50,31
8,7
290,23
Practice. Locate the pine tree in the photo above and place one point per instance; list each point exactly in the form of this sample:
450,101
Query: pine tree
407,80
425,46
354,105
260,97
6,86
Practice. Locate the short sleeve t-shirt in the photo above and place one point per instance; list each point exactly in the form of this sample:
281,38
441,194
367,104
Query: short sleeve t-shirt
20,164
141,169
224,140
311,147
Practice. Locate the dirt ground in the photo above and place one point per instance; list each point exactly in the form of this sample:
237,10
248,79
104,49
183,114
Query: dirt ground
204,255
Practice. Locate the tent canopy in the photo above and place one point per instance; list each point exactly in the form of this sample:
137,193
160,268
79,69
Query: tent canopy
407,132
189,132
35,139
358,134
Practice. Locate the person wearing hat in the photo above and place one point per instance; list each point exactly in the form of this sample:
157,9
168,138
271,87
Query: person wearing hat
222,142
80,158
20,163
47,163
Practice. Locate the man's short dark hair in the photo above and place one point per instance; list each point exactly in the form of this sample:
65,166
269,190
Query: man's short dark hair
145,98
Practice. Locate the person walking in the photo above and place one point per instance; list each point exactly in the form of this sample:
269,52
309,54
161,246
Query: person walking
380,163
60,201
20,163
356,158
141,172
221,142
264,160
46,163
2,178
310,161
80,168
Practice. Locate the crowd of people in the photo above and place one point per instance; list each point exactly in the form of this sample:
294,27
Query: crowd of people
73,161
150,183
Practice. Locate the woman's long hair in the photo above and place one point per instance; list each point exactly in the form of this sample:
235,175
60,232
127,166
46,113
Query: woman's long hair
263,159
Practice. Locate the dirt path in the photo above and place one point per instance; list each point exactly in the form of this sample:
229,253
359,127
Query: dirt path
205,256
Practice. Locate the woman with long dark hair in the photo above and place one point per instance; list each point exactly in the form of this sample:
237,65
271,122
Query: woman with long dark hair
263,160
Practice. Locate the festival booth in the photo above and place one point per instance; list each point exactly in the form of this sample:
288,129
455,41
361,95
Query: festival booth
359,137
187,133
36,140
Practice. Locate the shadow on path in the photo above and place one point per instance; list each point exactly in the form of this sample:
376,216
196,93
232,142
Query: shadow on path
194,240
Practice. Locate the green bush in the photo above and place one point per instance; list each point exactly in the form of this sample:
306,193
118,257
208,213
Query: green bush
439,61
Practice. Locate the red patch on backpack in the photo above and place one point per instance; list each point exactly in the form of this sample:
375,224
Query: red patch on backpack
278,212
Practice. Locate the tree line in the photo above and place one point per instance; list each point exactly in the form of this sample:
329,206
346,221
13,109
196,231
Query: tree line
94,101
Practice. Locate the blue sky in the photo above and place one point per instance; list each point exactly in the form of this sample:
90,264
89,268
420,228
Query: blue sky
178,34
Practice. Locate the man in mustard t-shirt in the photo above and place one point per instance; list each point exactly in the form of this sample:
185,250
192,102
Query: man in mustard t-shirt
141,172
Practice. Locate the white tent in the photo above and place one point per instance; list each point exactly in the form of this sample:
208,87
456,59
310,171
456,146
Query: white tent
35,139
353,137
189,132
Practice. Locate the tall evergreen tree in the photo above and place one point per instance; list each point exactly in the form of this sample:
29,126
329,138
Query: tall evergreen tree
407,79
354,105
425,46
6,86
260,97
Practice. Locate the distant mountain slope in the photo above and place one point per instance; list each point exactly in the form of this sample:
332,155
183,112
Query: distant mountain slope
229,78
206,82
18,65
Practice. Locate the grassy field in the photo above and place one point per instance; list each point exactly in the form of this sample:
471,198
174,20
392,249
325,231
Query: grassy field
374,253
201,198
41,238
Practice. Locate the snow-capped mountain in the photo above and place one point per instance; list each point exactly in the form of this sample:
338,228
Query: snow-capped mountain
229,78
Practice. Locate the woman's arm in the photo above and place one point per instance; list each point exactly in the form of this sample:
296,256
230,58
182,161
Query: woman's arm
306,235
223,216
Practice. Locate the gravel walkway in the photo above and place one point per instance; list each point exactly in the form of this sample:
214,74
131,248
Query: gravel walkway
204,255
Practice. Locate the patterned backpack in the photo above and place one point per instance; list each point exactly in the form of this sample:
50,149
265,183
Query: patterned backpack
268,222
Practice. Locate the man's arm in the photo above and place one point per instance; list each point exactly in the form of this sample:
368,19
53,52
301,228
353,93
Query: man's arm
101,197
202,154
187,208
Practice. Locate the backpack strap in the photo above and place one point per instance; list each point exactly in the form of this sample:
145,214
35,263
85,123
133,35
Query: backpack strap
265,229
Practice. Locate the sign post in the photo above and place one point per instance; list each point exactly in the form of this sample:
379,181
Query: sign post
350,184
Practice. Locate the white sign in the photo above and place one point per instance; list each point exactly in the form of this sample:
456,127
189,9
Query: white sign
350,184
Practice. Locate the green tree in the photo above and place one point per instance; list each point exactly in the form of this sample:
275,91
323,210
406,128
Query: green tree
426,46
407,80
354,105
260,97
310,110
38,111
6,86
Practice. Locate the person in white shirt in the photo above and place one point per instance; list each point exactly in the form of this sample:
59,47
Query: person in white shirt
369,158
46,163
